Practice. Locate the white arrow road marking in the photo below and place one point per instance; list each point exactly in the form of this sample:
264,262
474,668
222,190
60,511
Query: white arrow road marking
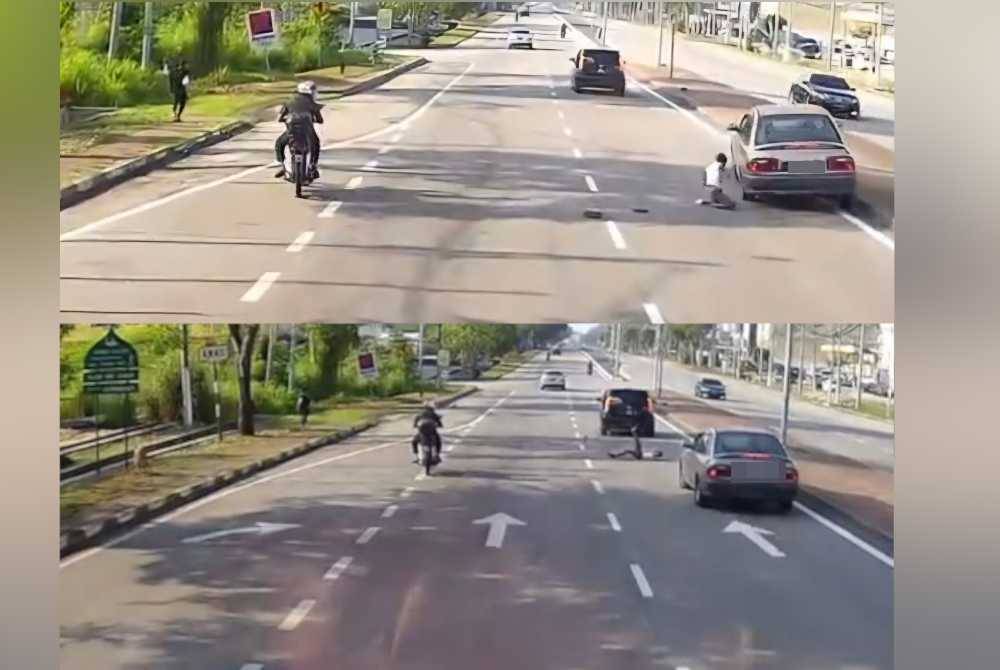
755,535
354,183
616,235
498,527
260,287
261,528
591,184
300,242
640,580
330,209
597,486
296,616
613,520
338,568
368,535
389,511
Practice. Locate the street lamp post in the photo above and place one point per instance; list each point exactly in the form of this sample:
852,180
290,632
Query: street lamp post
787,384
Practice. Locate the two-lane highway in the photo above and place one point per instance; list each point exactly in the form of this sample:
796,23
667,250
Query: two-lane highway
528,547
477,187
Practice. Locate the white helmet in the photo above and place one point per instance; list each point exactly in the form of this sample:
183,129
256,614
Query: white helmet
307,88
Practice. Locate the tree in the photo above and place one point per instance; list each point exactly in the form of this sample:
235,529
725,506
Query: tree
210,21
333,343
471,341
244,338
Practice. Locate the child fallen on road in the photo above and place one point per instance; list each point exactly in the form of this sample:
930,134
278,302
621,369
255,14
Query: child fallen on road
716,197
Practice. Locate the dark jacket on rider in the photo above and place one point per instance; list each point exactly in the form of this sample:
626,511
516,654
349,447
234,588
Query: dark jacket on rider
300,109
427,423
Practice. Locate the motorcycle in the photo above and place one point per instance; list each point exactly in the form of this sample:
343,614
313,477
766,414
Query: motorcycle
426,457
298,167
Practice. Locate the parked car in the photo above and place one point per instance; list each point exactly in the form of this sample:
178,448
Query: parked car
625,409
552,379
807,47
828,91
710,388
792,149
830,383
738,464
597,69
519,37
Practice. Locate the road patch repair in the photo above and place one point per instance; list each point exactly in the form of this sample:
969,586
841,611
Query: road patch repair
101,529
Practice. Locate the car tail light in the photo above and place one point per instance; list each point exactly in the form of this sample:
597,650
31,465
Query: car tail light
840,164
763,165
719,471
791,474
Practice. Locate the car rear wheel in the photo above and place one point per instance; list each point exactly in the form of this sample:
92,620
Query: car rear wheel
785,506
846,201
700,499
621,92
748,196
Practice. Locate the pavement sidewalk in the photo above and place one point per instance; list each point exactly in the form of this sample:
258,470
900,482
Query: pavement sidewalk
861,490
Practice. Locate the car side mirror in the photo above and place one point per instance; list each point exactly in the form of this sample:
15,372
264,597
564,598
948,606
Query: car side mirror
573,61
688,444
733,127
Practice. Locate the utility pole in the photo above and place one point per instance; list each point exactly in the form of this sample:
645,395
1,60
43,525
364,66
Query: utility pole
604,30
788,45
787,384
673,40
878,45
857,375
774,31
116,20
659,42
833,23
659,360
186,378
350,24
802,356
147,36
291,359
420,353
770,360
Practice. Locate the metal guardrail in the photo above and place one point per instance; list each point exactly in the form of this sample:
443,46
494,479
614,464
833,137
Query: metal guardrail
110,437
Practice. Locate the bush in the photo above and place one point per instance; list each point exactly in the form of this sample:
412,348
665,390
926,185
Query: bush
89,79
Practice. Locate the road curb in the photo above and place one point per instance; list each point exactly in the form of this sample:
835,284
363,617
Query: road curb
96,184
77,539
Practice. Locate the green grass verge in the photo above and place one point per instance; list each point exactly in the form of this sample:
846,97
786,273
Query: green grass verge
507,364
452,37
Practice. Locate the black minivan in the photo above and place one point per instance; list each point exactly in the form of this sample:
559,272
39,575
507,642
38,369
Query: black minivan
598,69
625,409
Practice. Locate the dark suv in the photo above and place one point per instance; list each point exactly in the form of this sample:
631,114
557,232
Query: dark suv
830,92
710,388
597,68
624,409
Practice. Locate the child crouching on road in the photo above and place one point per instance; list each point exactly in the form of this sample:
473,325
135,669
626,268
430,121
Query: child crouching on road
713,185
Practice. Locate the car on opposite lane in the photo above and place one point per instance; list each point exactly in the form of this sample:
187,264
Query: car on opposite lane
519,37
828,91
792,150
597,69
738,464
625,409
707,387
552,379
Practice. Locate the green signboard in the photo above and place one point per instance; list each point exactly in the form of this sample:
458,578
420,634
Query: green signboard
111,366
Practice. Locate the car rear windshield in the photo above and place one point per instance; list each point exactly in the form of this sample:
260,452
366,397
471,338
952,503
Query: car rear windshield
633,398
520,30
605,58
747,443
796,128
711,382
553,374
828,81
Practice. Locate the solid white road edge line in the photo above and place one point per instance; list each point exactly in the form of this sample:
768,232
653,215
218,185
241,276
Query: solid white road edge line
260,287
641,581
300,242
816,516
616,235
876,235
152,204
296,616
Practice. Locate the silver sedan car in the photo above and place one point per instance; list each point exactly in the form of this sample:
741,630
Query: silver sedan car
738,464
552,379
792,150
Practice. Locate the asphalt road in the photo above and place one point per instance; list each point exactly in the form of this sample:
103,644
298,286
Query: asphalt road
821,428
613,567
457,192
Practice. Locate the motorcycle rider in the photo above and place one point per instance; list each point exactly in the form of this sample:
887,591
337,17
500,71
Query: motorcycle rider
427,423
302,109
590,367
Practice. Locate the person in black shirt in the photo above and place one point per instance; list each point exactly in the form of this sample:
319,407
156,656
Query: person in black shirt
301,109
180,79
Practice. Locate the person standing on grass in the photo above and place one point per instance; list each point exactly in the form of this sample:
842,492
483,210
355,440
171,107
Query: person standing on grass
714,173
303,405
180,79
